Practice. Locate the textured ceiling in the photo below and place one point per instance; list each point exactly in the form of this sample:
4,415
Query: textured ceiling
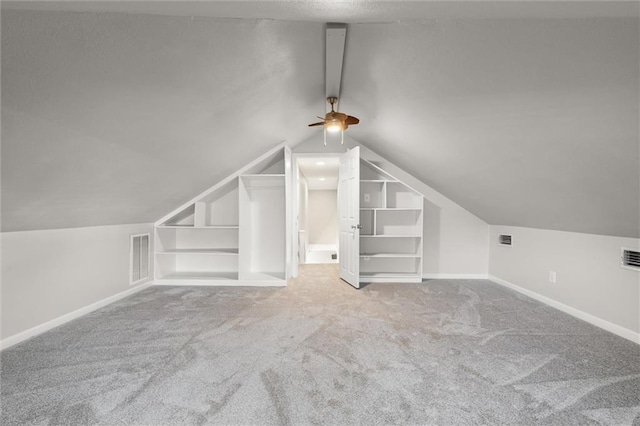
115,118
530,123
349,11
112,118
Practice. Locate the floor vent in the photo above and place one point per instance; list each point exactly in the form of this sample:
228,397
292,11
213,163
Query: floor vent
631,259
139,258
504,240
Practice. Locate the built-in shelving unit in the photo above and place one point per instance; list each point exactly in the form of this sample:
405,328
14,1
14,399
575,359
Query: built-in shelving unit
262,213
232,234
391,216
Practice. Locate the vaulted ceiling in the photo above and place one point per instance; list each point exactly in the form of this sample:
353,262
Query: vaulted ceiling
523,113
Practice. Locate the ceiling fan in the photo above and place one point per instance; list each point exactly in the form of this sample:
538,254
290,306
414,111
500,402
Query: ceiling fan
335,121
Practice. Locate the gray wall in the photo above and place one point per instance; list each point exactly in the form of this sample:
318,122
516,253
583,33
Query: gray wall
51,273
589,277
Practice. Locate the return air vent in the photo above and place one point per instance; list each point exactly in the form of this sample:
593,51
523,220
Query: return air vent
504,240
139,258
631,259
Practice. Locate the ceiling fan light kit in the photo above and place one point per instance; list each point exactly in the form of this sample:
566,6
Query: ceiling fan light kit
335,121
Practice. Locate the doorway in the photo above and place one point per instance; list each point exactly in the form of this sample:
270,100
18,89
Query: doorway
316,231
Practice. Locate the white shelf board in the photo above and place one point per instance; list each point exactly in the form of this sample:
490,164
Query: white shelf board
217,282
392,208
391,278
390,255
377,180
220,251
197,227
201,275
390,236
389,275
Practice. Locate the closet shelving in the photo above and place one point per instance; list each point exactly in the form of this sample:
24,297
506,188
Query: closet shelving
262,213
391,215
232,234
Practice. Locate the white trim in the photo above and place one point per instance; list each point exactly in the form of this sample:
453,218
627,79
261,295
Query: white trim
455,276
294,223
39,329
220,184
427,191
78,227
393,178
591,319
288,213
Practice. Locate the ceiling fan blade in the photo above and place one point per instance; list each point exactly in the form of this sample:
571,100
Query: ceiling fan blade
336,116
351,120
317,124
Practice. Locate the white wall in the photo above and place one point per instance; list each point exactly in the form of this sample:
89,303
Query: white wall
589,277
323,217
47,274
455,240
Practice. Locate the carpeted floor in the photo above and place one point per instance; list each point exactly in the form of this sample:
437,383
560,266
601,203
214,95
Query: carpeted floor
449,352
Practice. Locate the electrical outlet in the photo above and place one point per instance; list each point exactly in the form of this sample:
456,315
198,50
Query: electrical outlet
367,198
552,277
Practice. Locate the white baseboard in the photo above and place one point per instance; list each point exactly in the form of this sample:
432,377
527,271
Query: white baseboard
591,319
39,329
455,276
219,283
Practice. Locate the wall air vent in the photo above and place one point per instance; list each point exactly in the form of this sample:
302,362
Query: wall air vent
631,259
504,240
139,258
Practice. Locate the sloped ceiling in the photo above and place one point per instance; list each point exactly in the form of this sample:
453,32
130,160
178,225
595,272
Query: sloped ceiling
119,118
522,122
520,117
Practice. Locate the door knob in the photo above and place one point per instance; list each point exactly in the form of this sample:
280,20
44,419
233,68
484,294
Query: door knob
358,226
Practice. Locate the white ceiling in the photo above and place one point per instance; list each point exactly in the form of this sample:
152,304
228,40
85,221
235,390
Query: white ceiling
321,172
111,118
350,11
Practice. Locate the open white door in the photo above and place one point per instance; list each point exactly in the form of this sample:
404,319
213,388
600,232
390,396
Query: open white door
349,216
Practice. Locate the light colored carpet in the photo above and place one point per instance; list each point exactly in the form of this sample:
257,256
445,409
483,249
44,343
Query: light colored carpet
448,352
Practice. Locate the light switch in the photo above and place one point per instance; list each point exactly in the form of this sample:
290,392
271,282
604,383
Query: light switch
367,198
